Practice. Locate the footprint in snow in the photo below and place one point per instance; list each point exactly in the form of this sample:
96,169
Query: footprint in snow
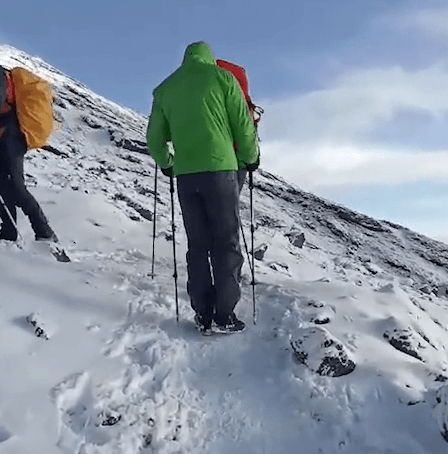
78,421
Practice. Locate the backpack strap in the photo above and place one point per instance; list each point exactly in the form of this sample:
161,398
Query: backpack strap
6,91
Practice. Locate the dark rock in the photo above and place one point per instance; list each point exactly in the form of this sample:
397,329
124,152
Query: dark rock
111,420
441,290
260,251
119,140
41,327
143,212
147,440
296,239
130,158
54,150
405,341
321,352
89,121
276,266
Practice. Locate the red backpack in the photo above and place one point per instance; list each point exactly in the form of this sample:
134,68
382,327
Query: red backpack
240,74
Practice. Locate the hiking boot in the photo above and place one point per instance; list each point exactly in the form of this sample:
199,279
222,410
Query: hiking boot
203,326
52,238
230,325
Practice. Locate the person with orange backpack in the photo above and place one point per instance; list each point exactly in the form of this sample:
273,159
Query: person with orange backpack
25,123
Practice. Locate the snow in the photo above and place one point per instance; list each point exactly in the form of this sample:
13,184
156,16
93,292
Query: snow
117,375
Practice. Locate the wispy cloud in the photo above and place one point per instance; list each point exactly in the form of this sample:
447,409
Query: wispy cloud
318,165
432,21
356,103
327,137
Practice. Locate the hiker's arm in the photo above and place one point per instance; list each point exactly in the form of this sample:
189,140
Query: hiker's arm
243,129
158,136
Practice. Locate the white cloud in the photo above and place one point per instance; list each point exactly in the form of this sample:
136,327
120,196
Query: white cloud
318,165
324,138
356,103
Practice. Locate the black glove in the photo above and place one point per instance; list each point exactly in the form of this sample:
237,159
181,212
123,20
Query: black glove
253,166
168,172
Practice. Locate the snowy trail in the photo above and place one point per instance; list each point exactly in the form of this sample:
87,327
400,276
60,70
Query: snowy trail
178,388
169,390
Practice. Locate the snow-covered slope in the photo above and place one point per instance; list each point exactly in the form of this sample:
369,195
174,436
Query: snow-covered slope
349,350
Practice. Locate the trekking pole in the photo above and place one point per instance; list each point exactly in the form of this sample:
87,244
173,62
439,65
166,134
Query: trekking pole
173,226
252,230
154,223
14,223
245,246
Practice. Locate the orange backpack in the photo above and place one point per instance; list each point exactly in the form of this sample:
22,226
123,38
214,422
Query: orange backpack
34,106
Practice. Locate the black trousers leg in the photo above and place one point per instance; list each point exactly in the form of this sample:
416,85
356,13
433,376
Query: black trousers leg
199,285
209,203
12,182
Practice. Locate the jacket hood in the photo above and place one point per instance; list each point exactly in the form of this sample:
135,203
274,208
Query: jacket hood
199,51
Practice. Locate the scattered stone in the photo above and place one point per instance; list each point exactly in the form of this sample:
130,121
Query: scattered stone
42,328
405,341
151,422
441,290
320,313
260,251
321,352
297,239
426,289
54,150
320,320
276,266
111,420
89,121
147,440
143,212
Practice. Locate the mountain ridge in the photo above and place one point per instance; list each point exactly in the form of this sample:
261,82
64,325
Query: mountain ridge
368,293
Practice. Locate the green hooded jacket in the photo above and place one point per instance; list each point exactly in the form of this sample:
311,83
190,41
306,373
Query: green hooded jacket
200,109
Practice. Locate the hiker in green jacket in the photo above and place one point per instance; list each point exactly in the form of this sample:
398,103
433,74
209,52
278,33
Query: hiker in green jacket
200,109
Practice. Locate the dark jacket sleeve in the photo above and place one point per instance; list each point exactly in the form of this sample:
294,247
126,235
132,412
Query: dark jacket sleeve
243,129
158,136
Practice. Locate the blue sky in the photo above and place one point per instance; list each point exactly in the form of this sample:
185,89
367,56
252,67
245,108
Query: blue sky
355,92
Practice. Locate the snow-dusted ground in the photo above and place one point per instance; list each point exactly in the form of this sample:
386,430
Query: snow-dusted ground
348,354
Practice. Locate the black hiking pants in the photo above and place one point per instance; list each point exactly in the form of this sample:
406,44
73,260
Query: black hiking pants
12,182
210,211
